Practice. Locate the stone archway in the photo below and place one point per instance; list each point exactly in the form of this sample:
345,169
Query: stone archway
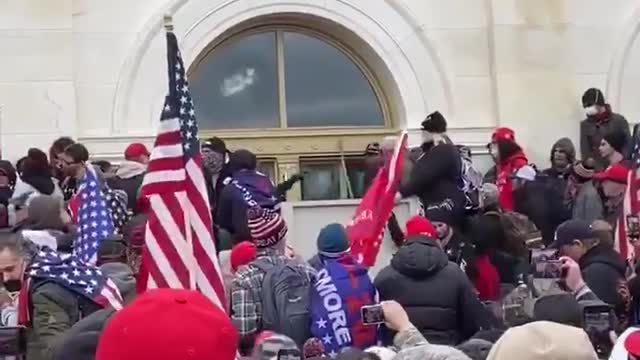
411,70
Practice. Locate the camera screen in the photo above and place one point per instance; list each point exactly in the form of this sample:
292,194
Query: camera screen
289,355
597,324
545,264
372,315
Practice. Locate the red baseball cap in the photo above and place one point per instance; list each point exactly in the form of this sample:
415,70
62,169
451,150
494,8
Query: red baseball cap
503,133
135,150
632,343
616,173
242,254
169,324
419,225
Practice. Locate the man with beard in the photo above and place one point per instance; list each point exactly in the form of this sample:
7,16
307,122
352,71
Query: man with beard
457,248
555,180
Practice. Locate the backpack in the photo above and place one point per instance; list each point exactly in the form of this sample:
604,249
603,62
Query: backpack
520,232
286,289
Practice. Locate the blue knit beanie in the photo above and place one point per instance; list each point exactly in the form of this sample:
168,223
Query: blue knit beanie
332,240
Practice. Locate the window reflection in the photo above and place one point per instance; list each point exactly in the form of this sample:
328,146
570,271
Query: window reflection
237,86
324,87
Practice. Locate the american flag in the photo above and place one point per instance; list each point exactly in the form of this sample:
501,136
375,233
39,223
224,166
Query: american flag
180,250
94,220
631,203
72,274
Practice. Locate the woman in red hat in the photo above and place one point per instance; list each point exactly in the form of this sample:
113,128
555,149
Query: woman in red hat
509,159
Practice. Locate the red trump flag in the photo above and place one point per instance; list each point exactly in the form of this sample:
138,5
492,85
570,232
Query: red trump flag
366,229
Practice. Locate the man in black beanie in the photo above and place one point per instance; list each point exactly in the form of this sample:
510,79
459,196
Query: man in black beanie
437,174
600,121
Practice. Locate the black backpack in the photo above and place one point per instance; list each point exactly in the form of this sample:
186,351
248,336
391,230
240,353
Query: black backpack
286,294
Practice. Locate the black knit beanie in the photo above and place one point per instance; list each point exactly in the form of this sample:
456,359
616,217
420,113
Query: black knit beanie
617,140
435,123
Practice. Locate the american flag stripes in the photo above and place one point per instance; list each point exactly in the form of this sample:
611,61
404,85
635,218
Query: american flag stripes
73,274
180,250
94,220
631,203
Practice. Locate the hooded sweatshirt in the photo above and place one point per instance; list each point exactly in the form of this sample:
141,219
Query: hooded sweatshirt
604,273
246,189
436,294
129,177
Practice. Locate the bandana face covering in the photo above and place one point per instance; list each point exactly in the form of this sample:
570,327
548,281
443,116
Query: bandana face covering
213,161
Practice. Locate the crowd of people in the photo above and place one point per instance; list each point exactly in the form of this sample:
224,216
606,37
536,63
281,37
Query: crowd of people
464,282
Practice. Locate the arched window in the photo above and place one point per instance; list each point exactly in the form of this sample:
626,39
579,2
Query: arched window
303,102
282,79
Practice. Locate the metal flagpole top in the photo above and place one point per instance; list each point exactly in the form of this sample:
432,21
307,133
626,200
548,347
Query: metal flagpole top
168,22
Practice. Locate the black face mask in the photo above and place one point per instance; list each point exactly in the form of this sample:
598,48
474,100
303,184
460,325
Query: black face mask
13,285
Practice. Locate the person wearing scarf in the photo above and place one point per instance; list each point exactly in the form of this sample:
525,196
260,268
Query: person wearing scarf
55,291
35,178
510,158
600,120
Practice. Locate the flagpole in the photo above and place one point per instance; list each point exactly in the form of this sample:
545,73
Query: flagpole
343,164
191,263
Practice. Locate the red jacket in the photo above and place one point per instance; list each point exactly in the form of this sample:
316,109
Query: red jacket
506,169
487,281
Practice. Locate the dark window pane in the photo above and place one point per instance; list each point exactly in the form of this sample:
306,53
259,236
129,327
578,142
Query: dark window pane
321,180
324,87
236,86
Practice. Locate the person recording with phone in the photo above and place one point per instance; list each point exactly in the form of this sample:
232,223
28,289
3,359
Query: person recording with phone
601,266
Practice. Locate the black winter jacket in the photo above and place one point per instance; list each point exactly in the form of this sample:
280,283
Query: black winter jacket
531,200
436,177
437,295
604,273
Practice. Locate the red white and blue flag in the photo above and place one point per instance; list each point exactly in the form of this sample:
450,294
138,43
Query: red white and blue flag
94,219
180,251
71,273
366,229
631,203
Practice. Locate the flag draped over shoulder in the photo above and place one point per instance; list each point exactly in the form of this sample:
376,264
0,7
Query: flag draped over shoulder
180,250
71,273
366,229
95,223
631,203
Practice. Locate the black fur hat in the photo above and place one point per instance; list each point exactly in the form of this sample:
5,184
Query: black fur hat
435,123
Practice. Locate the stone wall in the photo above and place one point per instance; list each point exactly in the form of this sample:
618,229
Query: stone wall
95,69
